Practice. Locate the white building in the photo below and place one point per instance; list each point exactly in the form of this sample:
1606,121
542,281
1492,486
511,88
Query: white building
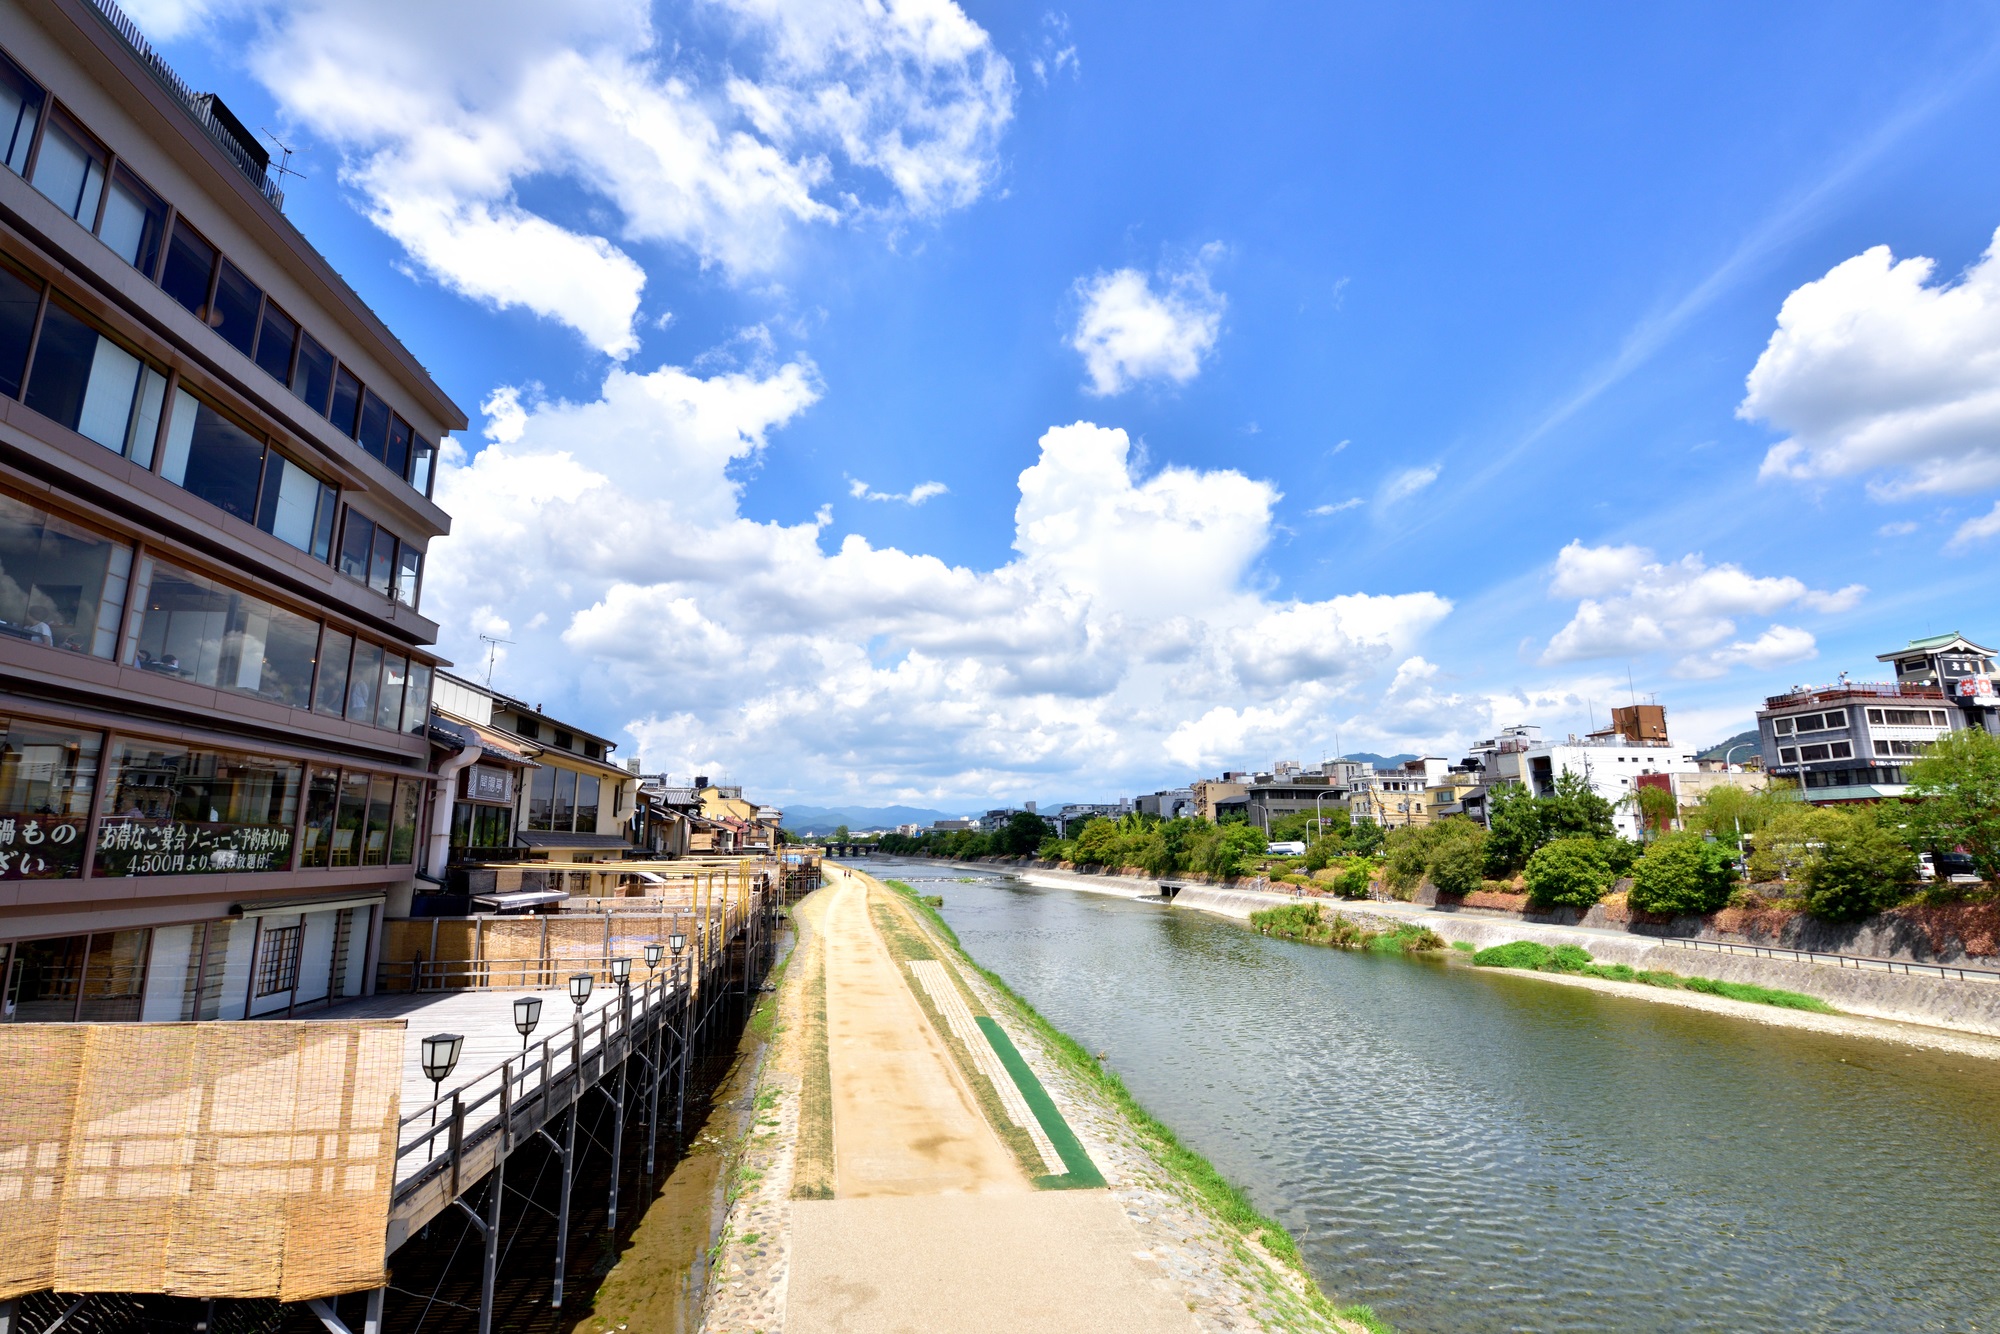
1610,764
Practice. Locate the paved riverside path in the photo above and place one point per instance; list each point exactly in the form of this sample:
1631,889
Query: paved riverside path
933,1228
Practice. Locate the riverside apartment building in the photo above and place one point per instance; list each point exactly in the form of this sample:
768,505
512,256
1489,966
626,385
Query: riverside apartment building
215,475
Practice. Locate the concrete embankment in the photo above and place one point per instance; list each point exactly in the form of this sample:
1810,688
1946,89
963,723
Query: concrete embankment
1963,1006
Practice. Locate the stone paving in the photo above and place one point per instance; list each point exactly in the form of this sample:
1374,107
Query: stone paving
751,1276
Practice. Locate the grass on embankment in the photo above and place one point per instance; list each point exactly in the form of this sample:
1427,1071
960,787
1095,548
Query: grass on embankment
1531,955
1306,922
1223,1197
812,1158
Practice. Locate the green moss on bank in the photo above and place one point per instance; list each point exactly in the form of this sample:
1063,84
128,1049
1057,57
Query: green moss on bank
1537,957
1223,1197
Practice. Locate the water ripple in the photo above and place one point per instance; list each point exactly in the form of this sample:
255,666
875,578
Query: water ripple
1471,1152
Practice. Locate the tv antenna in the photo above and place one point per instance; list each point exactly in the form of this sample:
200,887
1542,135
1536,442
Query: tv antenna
284,167
493,643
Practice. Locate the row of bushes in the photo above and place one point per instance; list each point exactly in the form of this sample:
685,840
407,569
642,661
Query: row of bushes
1307,922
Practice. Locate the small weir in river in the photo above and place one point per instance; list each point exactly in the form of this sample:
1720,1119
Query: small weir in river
1471,1151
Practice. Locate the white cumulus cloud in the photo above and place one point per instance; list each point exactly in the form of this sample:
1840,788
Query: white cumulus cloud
1876,369
1977,529
916,495
445,120
1129,330
1129,613
1632,604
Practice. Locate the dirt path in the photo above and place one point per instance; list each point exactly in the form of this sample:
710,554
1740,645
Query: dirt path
933,1228
903,1121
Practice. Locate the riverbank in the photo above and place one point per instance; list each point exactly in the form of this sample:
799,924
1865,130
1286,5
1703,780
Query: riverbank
1931,1012
941,1210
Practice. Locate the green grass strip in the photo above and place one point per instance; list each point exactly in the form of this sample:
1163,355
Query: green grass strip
1082,1173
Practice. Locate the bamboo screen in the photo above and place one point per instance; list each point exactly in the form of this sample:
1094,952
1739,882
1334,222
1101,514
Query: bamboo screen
203,1160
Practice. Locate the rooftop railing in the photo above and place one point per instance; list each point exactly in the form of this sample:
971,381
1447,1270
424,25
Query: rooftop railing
200,108
1850,689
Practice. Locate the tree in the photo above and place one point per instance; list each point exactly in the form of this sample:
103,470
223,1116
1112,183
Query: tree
1791,841
1682,873
1576,811
1657,809
1568,873
1024,833
1957,787
1731,812
1365,838
1096,842
1408,852
1234,845
1458,856
1863,869
1296,827
1515,817
840,833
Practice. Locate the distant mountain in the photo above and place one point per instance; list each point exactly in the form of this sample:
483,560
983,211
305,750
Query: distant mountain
1379,761
825,819
1721,748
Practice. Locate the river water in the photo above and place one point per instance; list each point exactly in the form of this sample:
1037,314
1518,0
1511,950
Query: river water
1470,1151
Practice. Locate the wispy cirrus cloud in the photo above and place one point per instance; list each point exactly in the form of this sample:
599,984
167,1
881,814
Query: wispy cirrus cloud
916,495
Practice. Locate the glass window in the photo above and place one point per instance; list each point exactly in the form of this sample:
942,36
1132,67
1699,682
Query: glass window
277,968
297,507
350,819
382,560
322,796
381,799
346,401
46,777
96,388
61,586
363,681
395,674
587,786
42,980
114,977
417,699
357,541
541,799
170,810
1783,727
70,168
275,343
135,222
398,453
202,631
313,381
20,109
423,455
330,696
238,302
212,457
373,432
409,569
190,265
20,300
565,808
403,821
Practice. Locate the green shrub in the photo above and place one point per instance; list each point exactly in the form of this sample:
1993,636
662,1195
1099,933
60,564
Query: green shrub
1568,959
1299,921
1745,991
1465,945
1514,954
1620,854
1863,869
1458,859
1568,873
1354,882
1348,934
1682,873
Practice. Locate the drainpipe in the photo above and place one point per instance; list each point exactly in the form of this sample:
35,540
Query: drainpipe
441,810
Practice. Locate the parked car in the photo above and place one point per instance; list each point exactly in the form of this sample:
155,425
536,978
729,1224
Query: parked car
1957,868
1287,848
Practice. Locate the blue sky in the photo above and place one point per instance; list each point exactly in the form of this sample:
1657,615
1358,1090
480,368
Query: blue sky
1446,342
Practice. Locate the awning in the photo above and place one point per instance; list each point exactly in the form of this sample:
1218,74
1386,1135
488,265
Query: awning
524,898
540,839
272,907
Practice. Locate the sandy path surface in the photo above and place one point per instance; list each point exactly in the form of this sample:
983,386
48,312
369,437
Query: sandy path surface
903,1121
933,1229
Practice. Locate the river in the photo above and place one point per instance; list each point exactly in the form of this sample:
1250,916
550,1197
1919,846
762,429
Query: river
1469,1151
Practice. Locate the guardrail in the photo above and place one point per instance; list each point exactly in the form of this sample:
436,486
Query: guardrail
1863,962
523,1092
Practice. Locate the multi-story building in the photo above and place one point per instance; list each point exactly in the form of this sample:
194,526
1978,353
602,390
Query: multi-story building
1268,797
1960,668
1611,760
1395,798
215,474
1851,741
1169,803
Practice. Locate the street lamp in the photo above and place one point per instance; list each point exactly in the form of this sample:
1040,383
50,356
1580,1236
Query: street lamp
676,941
439,1055
579,988
527,1014
621,972
653,952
